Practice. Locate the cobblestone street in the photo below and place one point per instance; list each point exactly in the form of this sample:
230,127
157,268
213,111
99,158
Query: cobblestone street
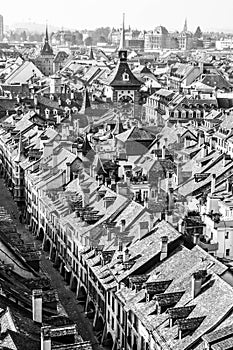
66,296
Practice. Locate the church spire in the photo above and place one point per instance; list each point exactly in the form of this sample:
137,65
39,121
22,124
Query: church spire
122,49
185,26
91,55
47,49
122,40
46,34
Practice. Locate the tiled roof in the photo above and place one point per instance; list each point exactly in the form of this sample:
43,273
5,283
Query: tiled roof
7,104
115,79
134,134
164,93
176,279
19,341
139,250
217,81
214,167
183,69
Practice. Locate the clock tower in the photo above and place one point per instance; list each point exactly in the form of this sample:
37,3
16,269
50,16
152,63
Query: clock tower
124,85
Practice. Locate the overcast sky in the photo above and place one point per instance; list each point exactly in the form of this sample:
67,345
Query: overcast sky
143,14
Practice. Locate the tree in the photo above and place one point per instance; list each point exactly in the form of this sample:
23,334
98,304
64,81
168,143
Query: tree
88,41
198,33
102,39
24,36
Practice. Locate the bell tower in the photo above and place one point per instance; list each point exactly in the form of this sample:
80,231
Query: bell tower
124,85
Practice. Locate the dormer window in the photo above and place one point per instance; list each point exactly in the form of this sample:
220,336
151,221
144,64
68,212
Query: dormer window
176,114
125,76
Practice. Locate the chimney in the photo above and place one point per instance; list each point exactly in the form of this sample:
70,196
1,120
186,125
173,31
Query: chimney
37,305
178,138
204,151
228,185
159,185
163,152
179,173
68,172
77,126
58,119
109,234
126,255
181,226
186,142
201,139
100,180
35,100
63,133
151,222
196,237
157,144
123,225
170,199
196,283
211,144
164,246
86,192
46,338
213,183
143,228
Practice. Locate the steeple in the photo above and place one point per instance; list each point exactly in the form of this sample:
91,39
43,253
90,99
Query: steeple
185,26
47,49
91,55
86,146
122,50
46,34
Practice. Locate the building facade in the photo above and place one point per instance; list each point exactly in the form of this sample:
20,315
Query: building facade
1,28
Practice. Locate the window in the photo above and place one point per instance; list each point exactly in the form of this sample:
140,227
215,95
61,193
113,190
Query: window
227,252
125,76
226,235
112,322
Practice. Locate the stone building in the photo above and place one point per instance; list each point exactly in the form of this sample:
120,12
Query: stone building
45,60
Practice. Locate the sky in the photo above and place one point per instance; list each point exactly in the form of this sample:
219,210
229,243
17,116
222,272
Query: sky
143,14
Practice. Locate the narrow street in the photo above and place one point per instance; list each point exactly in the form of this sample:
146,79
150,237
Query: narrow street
66,296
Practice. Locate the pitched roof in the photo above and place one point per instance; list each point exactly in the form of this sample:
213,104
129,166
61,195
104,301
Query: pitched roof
216,80
135,134
19,341
175,280
115,79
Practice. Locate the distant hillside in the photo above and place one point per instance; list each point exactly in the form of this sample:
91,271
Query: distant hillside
34,27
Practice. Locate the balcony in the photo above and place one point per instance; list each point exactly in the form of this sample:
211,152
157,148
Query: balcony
209,247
